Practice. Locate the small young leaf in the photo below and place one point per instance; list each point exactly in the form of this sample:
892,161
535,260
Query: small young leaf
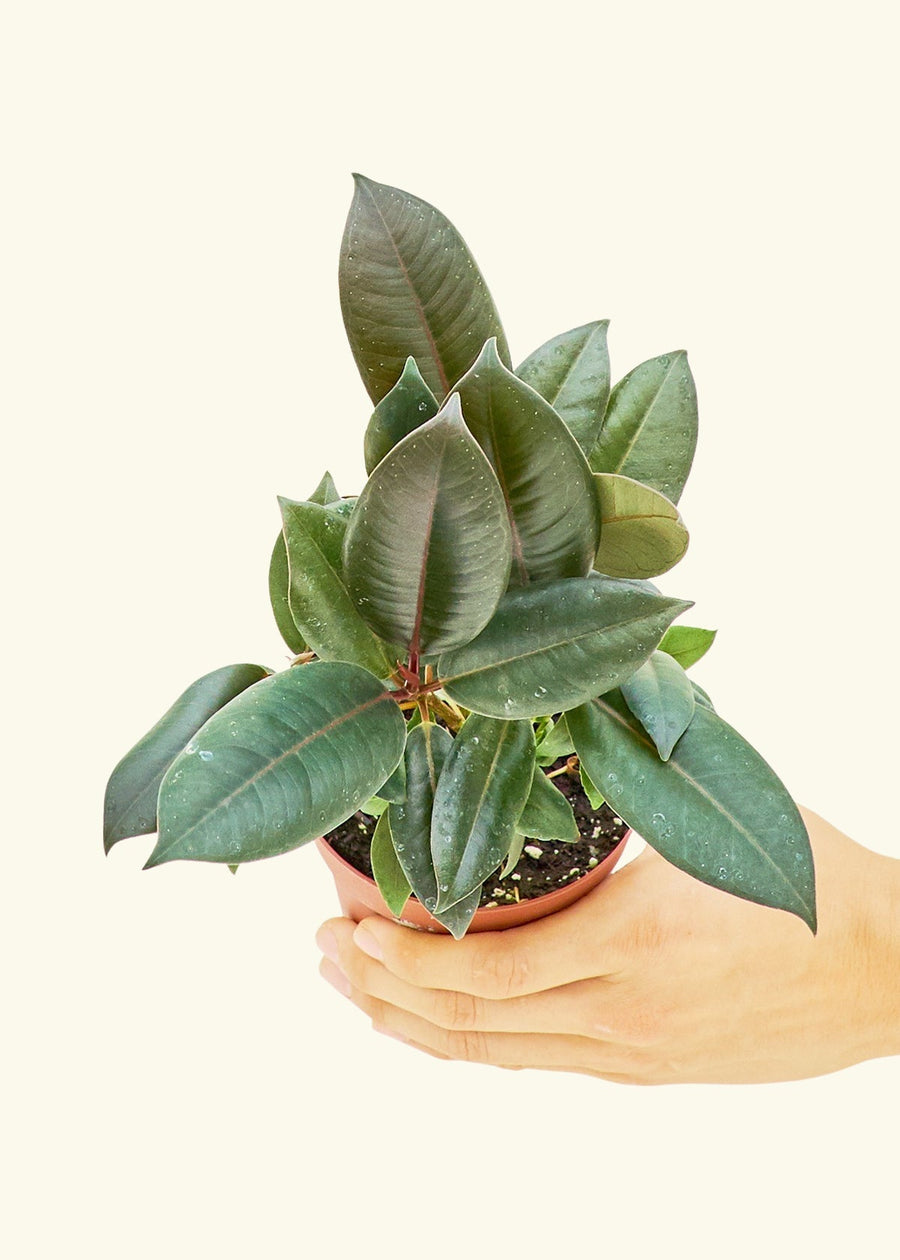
392,883
407,406
571,372
427,553
234,868
714,809
649,432
515,852
641,533
325,492
661,697
283,763
551,647
547,815
130,805
595,797
480,794
687,644
410,287
546,481
555,744
374,806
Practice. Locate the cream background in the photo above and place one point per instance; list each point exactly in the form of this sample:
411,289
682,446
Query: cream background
179,1082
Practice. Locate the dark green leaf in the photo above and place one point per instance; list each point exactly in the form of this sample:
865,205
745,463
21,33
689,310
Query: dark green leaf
284,763
410,287
392,883
427,553
480,794
642,533
551,647
571,372
661,697
457,918
701,697
130,805
687,644
715,809
409,404
650,429
394,789
279,596
427,748
319,601
546,481
547,814
325,492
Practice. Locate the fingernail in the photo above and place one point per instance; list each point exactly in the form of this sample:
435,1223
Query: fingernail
327,943
365,941
337,980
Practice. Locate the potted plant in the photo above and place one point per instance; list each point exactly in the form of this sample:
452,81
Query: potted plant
477,627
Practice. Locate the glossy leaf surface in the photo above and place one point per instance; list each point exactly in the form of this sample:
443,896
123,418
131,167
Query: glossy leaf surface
279,597
688,644
457,918
552,646
427,748
325,492
547,814
130,805
650,429
661,697
410,286
284,763
715,810
409,404
427,553
641,533
320,603
480,794
392,883
571,372
545,479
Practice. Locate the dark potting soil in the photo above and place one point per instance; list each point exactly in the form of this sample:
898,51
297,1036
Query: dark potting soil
556,864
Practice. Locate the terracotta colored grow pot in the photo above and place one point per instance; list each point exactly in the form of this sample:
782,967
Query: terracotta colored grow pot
359,896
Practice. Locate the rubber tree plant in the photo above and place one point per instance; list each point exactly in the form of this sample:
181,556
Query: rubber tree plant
480,609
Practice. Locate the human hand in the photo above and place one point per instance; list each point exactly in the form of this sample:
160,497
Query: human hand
651,978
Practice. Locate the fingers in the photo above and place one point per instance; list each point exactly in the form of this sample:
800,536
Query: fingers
575,944
550,1051
571,1009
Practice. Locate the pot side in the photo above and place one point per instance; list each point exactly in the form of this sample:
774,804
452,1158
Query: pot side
359,896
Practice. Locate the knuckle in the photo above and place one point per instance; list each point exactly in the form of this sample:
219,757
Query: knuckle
456,1010
470,1046
500,972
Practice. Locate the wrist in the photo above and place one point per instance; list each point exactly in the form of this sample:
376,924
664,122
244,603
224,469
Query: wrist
878,933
